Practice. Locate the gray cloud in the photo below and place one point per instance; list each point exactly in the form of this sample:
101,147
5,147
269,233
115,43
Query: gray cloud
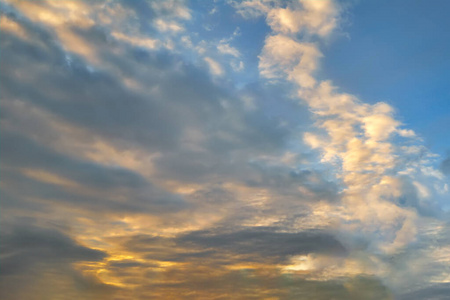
21,152
288,179
264,242
439,291
245,245
249,284
201,133
149,200
178,97
445,165
202,258
37,263
122,190
23,247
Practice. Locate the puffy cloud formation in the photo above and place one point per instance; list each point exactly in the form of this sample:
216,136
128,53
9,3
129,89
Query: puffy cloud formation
139,161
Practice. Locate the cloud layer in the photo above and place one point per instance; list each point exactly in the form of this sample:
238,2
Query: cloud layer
138,161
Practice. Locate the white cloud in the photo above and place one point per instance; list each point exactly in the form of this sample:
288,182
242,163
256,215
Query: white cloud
164,25
173,8
252,8
225,48
283,55
137,41
309,16
406,132
214,66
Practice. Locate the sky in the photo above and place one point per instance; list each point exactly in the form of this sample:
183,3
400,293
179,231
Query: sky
254,149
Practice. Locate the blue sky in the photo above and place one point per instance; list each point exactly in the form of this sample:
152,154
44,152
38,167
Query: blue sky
255,149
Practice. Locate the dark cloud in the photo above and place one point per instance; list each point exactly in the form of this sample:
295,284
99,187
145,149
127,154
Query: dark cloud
410,198
440,291
179,99
37,263
21,152
445,165
121,190
264,242
202,267
24,247
96,101
145,14
184,95
199,283
50,282
150,199
287,180
199,274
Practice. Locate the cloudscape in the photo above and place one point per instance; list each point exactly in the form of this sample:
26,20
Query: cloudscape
254,149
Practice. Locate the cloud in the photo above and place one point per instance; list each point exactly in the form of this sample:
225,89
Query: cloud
436,292
445,166
282,55
307,16
43,244
188,130
243,245
225,48
251,8
22,152
311,17
34,257
382,196
265,242
212,261
38,172
138,118
214,66
357,136
149,174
